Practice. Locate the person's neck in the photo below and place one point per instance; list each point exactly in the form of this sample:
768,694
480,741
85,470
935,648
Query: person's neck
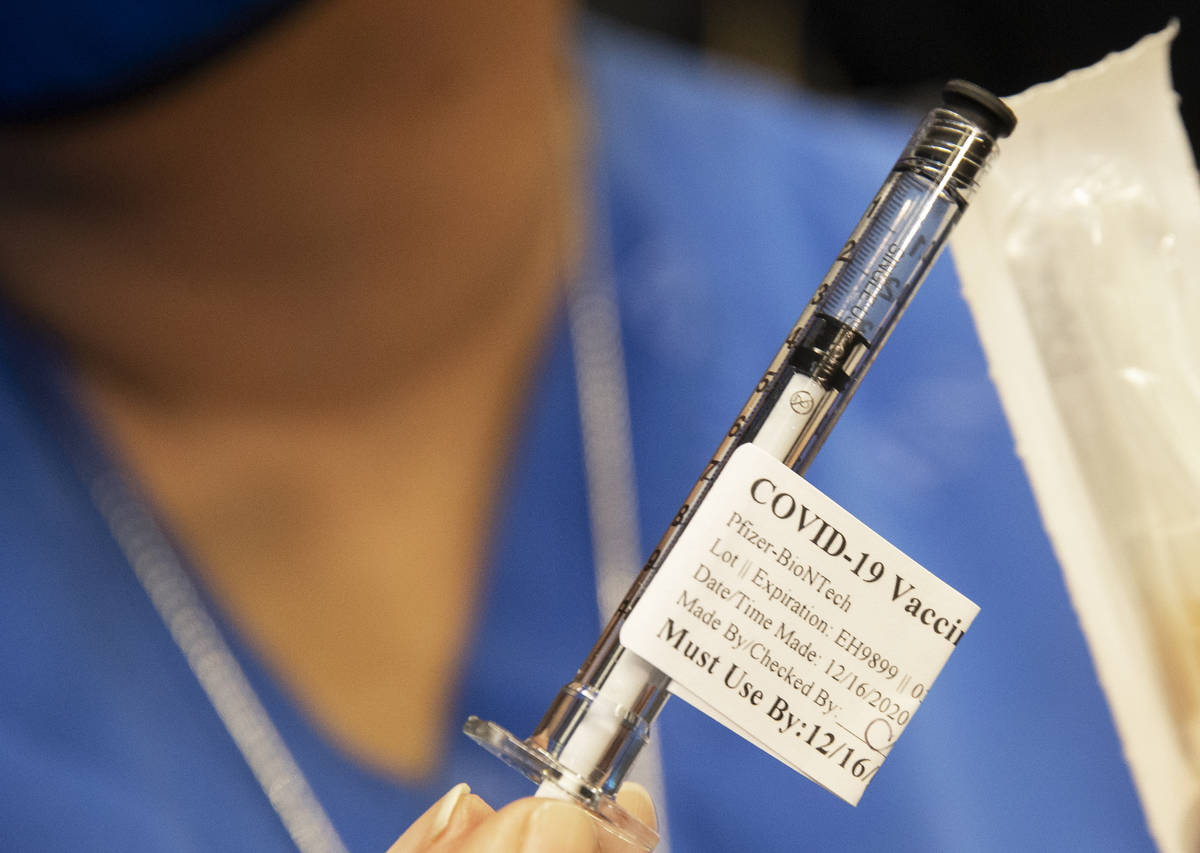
305,293
291,228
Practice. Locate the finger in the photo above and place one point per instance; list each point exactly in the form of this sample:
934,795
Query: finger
534,825
636,800
471,812
451,817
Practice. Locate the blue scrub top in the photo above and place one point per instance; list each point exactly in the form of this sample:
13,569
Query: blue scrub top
724,200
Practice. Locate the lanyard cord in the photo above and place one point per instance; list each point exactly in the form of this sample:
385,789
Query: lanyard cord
180,606
603,398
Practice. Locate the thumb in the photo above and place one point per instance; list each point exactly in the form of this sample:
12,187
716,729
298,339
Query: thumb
535,825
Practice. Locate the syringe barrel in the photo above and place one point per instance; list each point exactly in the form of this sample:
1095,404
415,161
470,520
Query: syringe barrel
599,722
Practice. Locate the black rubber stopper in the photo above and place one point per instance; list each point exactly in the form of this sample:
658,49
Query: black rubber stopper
980,106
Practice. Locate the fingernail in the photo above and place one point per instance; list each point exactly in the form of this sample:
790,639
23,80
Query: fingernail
445,809
559,828
636,800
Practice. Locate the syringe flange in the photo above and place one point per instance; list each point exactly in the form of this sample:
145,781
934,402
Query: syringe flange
540,767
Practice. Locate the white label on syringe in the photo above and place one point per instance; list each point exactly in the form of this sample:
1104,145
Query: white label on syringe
792,622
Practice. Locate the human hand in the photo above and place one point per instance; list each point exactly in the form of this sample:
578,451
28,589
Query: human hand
461,822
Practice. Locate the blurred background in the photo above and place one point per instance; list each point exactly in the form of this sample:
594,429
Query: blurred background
904,52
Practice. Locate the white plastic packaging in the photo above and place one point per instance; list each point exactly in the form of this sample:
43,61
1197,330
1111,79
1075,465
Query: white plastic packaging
1081,263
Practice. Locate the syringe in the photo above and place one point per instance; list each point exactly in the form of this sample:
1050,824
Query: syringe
598,723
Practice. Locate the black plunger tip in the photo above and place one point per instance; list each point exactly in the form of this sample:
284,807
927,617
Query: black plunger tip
980,106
